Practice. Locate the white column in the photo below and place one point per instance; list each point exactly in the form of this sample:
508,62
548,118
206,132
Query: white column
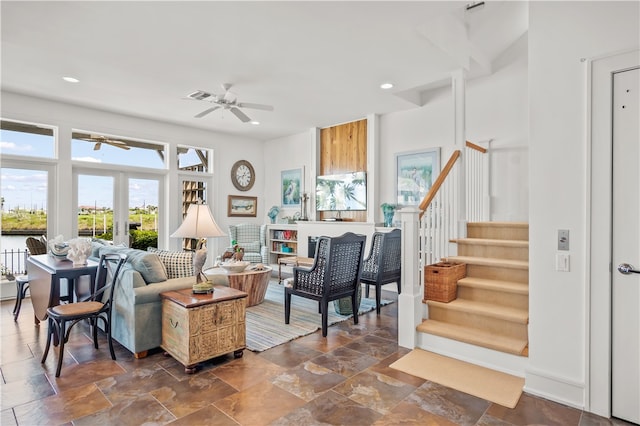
410,299
458,87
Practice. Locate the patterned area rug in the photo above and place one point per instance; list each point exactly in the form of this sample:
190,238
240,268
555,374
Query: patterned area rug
265,322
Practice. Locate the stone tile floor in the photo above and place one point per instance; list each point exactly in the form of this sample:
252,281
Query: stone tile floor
343,379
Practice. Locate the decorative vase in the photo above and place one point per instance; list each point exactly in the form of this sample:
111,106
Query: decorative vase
388,210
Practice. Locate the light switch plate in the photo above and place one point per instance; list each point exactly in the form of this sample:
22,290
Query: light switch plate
563,239
562,262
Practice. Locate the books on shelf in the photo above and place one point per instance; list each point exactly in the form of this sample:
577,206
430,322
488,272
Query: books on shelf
285,234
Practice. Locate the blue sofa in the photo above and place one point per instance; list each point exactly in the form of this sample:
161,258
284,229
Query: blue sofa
137,318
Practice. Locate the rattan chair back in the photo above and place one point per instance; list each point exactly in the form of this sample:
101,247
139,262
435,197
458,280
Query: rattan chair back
383,264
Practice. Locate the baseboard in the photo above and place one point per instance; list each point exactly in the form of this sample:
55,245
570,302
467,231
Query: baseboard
555,388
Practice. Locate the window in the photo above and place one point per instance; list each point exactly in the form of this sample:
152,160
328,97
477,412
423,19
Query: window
25,139
194,159
96,148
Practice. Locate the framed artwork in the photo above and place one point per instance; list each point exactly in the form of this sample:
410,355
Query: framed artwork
290,187
415,173
242,206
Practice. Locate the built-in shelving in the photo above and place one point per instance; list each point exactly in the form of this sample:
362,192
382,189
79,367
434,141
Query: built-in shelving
282,241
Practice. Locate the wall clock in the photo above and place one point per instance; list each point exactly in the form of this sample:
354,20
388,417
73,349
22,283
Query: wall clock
242,175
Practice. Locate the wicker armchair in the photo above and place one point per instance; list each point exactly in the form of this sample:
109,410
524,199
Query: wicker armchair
383,264
335,274
36,246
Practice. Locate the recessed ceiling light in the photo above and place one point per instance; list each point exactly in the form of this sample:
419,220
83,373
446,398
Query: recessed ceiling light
386,86
255,123
71,79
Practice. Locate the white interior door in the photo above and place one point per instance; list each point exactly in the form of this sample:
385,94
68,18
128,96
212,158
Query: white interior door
626,247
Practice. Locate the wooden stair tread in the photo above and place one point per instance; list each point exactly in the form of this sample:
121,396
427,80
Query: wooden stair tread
475,336
491,242
487,261
505,313
495,285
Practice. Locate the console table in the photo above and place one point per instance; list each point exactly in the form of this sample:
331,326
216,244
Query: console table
198,327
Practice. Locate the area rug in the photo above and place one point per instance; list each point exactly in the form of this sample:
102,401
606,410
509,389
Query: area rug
265,322
494,386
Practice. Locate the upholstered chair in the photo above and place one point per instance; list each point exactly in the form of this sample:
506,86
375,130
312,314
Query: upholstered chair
252,239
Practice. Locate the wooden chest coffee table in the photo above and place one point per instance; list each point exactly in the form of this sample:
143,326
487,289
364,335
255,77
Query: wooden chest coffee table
198,327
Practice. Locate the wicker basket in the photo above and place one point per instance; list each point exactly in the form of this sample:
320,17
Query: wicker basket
441,280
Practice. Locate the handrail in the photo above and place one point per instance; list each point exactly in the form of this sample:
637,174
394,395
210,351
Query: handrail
476,147
438,183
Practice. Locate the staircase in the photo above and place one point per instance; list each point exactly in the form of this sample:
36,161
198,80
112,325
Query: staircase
492,305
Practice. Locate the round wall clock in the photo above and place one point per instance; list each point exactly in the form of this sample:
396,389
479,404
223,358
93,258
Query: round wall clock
242,175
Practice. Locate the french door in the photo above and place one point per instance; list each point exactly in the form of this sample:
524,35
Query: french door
111,203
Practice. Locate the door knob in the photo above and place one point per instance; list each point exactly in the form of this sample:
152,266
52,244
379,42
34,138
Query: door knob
625,268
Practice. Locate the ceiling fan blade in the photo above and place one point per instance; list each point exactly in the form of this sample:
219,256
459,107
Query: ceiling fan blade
241,115
206,111
119,145
97,146
255,106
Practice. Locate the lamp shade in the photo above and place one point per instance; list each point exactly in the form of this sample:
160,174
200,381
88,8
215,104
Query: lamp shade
198,223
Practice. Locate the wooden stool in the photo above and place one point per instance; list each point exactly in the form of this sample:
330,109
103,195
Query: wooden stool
22,284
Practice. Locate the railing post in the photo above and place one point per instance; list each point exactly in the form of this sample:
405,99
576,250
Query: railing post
410,299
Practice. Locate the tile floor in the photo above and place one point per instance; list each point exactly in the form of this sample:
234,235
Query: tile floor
343,379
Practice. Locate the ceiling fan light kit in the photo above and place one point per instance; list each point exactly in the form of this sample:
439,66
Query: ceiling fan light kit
227,101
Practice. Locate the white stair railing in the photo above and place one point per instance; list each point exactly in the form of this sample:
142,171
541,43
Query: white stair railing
440,220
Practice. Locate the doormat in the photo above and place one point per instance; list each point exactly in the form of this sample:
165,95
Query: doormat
494,386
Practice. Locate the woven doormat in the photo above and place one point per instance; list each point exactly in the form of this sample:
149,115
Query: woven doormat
495,386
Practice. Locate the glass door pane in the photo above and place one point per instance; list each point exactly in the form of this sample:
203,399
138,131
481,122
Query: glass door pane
96,207
143,212
23,197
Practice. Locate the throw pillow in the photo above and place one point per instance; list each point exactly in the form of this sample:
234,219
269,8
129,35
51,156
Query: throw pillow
147,264
178,264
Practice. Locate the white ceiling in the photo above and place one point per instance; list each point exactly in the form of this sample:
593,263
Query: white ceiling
318,63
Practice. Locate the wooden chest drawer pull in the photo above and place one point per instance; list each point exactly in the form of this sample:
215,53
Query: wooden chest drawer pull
174,325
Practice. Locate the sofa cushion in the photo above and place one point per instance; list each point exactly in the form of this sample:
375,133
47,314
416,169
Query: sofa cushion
178,264
147,264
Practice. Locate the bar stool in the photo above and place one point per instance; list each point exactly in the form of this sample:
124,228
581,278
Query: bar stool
22,284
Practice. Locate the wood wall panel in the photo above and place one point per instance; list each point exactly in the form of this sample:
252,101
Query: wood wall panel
343,149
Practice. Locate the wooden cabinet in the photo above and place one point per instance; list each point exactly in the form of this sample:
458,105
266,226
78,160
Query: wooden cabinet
198,327
282,241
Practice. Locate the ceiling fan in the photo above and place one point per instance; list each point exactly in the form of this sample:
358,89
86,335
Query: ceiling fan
99,140
228,101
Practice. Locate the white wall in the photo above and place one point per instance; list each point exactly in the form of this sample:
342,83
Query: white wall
227,150
496,108
560,35
290,152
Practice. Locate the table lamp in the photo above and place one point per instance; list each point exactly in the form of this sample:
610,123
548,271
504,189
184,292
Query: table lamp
199,223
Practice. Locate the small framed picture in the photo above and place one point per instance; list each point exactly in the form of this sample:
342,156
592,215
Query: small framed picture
242,206
290,187
415,173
